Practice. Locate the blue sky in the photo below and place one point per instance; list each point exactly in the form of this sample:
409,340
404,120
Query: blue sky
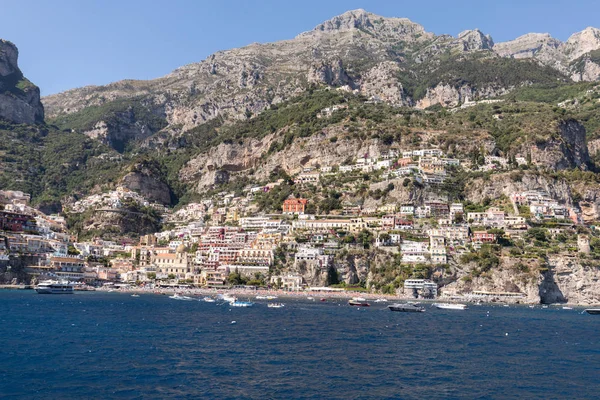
65,44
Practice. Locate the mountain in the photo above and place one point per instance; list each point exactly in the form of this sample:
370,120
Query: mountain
19,98
389,59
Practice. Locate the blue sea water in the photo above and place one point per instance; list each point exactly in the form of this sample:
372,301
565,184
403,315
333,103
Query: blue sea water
111,345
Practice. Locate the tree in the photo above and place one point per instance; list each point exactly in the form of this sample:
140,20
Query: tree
151,275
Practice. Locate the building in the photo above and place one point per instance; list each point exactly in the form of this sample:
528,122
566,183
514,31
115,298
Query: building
294,206
483,237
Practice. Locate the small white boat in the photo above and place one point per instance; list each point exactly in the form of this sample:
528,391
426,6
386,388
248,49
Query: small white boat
135,295
276,305
241,304
567,308
450,306
270,297
310,298
228,298
209,299
260,297
381,301
180,297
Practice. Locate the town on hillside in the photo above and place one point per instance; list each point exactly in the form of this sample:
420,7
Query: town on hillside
229,238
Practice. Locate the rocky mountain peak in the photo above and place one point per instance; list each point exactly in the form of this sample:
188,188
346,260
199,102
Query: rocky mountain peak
383,28
527,46
474,39
19,98
583,42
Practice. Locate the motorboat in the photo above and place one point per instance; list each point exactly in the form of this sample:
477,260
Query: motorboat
593,311
276,305
358,302
270,297
382,300
209,299
567,308
408,307
53,287
228,298
177,296
241,303
450,306
135,295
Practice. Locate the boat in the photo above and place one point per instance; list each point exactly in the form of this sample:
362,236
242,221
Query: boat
135,295
358,301
567,308
276,305
209,299
270,297
593,311
53,287
260,297
450,306
310,298
177,296
381,301
228,298
408,307
322,299
241,304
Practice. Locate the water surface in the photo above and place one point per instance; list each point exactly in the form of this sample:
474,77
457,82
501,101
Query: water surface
112,345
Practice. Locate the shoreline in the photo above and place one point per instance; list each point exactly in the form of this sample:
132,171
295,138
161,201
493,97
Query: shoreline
317,295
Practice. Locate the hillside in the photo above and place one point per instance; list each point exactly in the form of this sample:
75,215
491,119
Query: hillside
393,60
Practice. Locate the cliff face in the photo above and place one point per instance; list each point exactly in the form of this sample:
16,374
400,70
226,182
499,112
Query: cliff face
564,279
19,98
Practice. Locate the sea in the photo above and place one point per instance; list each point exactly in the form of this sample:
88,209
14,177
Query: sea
98,345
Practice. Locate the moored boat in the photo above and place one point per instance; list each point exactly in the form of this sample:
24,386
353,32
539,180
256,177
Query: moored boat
209,299
450,306
276,305
593,311
382,300
241,303
408,307
53,287
359,302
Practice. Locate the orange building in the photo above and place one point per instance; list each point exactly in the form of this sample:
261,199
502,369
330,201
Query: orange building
294,206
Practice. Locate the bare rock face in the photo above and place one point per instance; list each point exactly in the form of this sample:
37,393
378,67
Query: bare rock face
19,98
582,42
145,180
393,29
589,71
382,82
554,53
449,96
568,150
330,74
473,40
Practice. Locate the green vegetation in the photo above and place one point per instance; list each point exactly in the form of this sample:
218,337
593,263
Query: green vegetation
478,72
50,164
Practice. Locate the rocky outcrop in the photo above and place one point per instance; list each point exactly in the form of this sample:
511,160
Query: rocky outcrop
473,40
566,150
556,54
559,279
505,184
19,98
330,74
448,95
145,179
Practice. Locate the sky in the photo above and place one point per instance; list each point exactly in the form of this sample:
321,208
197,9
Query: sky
64,44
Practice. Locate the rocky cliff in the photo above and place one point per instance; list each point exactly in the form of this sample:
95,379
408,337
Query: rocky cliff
19,98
